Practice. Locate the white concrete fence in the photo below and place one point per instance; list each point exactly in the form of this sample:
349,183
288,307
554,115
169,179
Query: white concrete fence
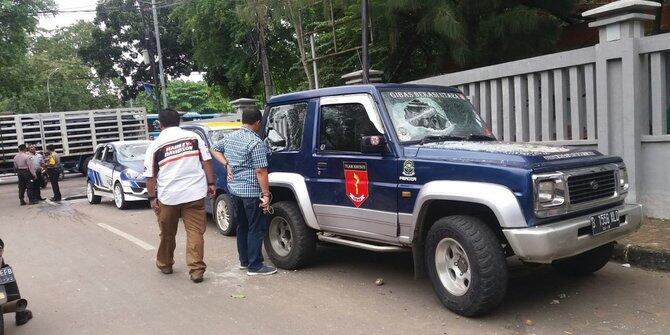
612,96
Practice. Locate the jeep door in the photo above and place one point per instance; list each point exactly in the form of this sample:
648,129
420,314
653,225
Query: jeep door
352,193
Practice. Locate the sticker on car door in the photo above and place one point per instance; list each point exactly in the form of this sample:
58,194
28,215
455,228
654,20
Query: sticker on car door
356,182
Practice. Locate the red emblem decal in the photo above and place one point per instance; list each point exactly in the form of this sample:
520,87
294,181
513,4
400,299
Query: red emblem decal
356,182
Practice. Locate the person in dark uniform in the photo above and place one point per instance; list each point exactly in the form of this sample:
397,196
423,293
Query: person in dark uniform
52,164
26,173
12,290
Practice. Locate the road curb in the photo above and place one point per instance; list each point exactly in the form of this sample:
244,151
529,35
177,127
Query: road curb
642,256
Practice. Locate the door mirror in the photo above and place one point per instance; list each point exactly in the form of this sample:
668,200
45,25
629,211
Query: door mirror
373,144
275,139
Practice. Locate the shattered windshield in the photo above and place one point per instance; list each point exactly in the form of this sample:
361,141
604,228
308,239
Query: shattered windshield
423,116
132,152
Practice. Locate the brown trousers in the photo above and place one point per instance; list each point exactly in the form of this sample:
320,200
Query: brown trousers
194,217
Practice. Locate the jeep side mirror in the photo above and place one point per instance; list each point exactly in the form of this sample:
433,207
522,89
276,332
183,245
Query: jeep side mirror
373,144
275,139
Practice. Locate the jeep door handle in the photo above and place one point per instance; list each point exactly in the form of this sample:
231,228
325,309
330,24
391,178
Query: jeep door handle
321,166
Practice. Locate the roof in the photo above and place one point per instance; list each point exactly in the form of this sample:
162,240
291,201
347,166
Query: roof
215,124
350,89
117,143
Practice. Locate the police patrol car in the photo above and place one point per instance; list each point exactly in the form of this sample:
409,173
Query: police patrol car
115,171
415,168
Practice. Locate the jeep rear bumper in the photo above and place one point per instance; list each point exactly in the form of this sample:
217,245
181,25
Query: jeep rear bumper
550,242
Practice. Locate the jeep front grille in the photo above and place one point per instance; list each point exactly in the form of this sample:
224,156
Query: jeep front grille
591,186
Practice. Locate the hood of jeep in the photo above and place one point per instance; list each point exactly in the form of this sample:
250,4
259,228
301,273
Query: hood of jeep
525,155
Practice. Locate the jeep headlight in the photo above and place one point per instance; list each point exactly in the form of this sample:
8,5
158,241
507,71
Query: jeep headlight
623,178
546,191
549,190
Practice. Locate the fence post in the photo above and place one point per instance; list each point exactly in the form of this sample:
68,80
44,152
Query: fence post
620,77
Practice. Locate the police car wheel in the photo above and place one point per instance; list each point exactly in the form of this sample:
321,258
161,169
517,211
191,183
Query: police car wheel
586,263
466,265
223,210
90,194
289,242
119,197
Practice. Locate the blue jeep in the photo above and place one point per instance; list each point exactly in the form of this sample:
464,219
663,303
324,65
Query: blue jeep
413,167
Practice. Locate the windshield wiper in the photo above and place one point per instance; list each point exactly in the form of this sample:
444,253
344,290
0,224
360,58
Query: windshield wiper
438,138
479,137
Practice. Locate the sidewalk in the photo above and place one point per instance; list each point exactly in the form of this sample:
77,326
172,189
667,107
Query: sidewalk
649,247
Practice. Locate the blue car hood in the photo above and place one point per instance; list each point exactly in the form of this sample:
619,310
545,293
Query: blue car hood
520,155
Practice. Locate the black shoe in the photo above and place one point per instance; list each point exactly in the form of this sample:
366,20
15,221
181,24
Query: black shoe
23,317
23,203
55,199
33,202
42,199
263,271
196,279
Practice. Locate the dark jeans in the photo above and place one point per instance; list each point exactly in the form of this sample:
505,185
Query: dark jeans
53,177
251,227
26,185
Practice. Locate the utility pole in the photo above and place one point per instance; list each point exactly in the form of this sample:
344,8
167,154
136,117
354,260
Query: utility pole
160,54
316,70
365,62
48,90
147,46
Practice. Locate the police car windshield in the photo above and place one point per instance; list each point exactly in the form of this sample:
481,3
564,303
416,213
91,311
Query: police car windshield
431,116
131,152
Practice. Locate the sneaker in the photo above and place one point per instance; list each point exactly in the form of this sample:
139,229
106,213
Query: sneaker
196,279
263,271
243,267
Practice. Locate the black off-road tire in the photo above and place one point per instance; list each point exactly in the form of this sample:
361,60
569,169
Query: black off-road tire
303,238
225,200
487,264
586,263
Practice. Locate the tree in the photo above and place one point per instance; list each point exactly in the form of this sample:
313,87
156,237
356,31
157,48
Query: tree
18,19
190,97
119,38
73,84
255,13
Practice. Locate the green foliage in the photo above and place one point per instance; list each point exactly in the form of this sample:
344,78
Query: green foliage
18,19
190,97
73,85
119,37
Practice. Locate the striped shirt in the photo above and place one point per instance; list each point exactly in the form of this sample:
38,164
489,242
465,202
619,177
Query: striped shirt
245,152
175,160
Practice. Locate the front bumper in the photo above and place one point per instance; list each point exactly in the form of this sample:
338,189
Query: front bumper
544,244
134,190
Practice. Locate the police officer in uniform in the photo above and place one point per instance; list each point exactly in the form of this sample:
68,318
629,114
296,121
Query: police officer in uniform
26,173
52,164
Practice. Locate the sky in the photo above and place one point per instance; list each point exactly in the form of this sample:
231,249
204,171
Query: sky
61,20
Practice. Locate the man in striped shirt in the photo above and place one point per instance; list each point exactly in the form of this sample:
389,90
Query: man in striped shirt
244,154
179,175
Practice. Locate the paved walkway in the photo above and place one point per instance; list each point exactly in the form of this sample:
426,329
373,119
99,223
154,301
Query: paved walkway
649,247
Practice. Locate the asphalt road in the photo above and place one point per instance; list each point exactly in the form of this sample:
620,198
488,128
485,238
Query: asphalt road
82,278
